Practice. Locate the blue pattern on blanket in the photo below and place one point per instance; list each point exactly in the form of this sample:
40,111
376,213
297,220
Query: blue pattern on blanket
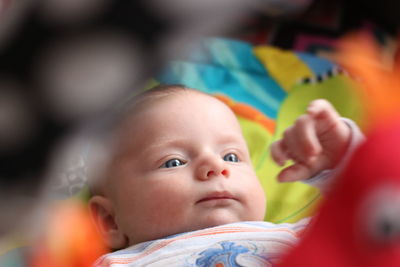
229,254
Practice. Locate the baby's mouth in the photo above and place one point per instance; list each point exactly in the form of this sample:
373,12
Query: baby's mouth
215,196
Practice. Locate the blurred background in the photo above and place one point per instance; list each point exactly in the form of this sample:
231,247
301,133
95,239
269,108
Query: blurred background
66,63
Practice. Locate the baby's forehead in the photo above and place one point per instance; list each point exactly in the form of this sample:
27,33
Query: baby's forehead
178,103
149,100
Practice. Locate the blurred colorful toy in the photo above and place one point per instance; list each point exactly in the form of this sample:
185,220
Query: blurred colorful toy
70,238
359,223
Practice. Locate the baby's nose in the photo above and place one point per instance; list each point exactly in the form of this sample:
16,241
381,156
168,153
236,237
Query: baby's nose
210,169
224,172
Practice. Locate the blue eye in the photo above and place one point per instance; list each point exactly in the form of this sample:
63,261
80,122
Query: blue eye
232,157
172,163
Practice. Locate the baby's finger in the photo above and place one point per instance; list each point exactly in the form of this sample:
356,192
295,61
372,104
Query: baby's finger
320,106
290,143
294,173
278,152
325,113
301,140
307,140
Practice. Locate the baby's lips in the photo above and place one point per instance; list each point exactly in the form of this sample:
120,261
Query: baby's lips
217,195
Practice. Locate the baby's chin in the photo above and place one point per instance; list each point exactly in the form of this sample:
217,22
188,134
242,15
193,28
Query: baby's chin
212,219
221,217
217,220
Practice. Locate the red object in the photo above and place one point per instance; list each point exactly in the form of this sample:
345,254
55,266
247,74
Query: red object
359,222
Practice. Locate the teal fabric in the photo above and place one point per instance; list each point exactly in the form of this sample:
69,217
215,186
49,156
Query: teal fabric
230,68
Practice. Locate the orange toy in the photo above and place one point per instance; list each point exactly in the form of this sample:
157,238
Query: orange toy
377,72
70,238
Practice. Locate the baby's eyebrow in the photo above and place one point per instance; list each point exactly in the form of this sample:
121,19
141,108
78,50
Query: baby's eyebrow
165,143
228,139
160,143
180,142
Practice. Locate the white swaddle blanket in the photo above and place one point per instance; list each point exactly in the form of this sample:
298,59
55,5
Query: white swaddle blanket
236,244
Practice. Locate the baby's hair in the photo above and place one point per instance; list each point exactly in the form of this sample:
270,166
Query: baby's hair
156,92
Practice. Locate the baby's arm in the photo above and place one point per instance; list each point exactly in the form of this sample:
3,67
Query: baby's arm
315,142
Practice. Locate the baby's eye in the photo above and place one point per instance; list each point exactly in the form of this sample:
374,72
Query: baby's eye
232,157
172,163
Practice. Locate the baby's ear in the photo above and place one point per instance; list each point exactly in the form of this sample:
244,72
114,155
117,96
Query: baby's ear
103,214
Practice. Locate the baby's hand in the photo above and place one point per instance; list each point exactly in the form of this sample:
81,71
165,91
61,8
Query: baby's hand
315,142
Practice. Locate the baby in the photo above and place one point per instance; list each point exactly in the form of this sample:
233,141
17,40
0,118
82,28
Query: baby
180,164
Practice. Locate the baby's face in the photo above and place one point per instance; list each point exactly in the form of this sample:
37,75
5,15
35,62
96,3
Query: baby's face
184,165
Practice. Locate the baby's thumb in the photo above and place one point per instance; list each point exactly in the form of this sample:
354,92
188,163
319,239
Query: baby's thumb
300,171
295,172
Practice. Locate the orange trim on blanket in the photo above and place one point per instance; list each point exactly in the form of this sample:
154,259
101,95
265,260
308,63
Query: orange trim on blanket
248,112
223,230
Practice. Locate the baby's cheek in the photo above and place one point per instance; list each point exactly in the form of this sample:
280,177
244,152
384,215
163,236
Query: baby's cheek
255,198
166,201
158,213
260,206
173,212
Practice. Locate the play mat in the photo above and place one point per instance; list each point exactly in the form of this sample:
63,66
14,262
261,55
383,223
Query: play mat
267,88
